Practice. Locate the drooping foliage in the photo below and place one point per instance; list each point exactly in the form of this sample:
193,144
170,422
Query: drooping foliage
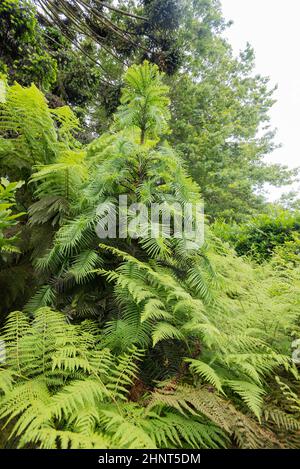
22,55
129,160
64,389
189,346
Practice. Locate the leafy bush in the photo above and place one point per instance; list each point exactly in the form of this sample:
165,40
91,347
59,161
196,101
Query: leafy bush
191,346
60,388
260,236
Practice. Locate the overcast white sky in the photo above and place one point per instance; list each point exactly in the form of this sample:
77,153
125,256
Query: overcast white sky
272,28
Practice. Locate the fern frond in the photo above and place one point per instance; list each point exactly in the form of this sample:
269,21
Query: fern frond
206,372
76,395
281,419
126,430
51,438
250,393
83,264
165,331
180,431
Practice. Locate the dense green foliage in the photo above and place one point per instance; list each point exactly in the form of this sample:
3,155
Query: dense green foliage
222,130
22,53
143,341
7,218
65,389
262,235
